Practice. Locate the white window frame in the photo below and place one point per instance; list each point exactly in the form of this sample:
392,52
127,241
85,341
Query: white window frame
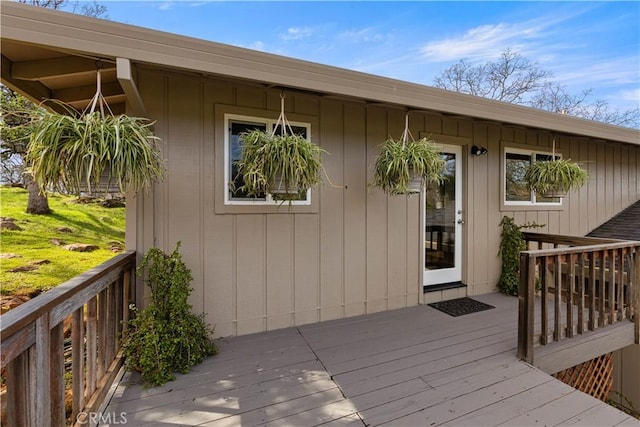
533,199
269,200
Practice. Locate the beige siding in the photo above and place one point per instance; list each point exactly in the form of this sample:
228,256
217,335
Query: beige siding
356,250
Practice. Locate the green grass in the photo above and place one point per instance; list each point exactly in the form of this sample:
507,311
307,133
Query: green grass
90,223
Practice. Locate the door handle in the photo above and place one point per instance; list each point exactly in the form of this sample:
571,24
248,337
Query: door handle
460,221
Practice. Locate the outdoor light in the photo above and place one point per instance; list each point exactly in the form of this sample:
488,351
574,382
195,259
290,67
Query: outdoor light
478,151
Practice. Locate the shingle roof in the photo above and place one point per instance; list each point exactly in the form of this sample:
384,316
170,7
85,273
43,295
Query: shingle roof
625,225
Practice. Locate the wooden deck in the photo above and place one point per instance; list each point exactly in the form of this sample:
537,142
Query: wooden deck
407,367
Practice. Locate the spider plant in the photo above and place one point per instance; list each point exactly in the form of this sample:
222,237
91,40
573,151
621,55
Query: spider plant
401,161
74,152
555,178
278,163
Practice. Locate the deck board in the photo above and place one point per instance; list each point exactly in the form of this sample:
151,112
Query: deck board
414,366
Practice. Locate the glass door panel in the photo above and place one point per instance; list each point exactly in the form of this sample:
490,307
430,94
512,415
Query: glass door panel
443,223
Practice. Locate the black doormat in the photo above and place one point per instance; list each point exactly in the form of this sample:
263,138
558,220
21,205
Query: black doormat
460,306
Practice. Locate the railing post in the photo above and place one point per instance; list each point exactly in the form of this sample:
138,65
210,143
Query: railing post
526,305
56,379
42,371
77,363
634,284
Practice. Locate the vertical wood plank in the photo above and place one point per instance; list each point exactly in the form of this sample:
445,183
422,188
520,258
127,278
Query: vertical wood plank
251,276
620,281
56,379
109,336
307,269
42,371
557,320
102,330
526,304
581,296
376,218
119,313
355,195
77,361
126,299
571,288
332,212
544,314
635,291
92,346
19,393
612,288
279,270
592,290
601,288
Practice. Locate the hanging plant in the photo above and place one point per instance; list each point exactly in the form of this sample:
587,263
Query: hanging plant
78,152
403,166
555,178
284,164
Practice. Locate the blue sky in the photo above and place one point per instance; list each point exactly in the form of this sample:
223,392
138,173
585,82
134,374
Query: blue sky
587,45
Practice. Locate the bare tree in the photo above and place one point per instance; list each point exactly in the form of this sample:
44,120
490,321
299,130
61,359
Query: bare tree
515,79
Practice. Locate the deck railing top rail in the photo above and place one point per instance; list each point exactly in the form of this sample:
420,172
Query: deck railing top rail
591,247
558,239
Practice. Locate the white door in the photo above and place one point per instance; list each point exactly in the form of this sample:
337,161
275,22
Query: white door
443,219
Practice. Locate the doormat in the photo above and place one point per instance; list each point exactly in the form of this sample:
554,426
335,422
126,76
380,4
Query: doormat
460,306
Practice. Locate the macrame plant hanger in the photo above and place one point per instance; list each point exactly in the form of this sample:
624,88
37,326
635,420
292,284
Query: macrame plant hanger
282,120
98,99
406,134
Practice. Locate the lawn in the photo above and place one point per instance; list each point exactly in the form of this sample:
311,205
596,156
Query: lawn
39,246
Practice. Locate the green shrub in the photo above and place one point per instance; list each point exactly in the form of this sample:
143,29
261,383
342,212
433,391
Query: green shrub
511,244
166,337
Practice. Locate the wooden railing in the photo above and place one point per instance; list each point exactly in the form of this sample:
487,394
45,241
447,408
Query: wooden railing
94,308
570,287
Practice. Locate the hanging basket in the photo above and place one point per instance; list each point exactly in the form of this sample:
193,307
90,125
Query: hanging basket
280,163
554,194
403,166
555,178
278,185
83,152
415,183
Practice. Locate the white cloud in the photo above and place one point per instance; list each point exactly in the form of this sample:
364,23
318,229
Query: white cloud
483,42
166,5
297,33
363,35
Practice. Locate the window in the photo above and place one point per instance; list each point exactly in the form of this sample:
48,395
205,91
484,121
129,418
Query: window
515,189
235,125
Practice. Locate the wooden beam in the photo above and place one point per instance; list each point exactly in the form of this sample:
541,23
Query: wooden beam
558,356
84,94
125,77
43,69
34,91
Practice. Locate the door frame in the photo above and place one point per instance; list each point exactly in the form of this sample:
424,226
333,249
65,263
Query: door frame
436,277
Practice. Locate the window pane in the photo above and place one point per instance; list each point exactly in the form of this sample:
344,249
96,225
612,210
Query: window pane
515,187
235,130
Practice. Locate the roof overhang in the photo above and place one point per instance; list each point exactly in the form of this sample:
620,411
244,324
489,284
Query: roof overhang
31,36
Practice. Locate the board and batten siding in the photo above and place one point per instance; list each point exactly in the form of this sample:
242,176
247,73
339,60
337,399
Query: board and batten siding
356,250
